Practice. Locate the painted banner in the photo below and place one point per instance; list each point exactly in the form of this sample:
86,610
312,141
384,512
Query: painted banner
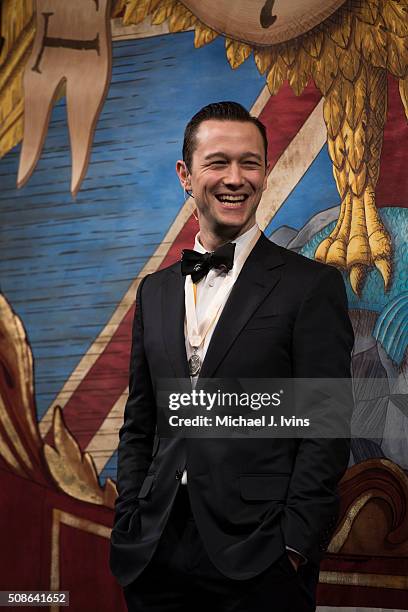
331,89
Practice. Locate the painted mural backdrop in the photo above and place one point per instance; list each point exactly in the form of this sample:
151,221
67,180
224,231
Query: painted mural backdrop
94,97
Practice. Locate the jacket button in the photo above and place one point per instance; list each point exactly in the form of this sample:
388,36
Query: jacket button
179,474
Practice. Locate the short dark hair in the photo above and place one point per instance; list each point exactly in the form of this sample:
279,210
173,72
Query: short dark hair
221,111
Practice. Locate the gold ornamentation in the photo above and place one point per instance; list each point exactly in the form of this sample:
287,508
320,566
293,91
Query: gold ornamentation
73,470
163,11
203,35
135,12
236,52
343,531
264,58
181,19
377,581
17,28
20,442
277,74
21,446
373,490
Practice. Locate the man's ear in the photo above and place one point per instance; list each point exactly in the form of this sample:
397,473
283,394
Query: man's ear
183,174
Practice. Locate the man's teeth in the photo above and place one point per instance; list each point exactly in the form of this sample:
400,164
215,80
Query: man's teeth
234,199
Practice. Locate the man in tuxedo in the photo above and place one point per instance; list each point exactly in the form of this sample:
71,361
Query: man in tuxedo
228,524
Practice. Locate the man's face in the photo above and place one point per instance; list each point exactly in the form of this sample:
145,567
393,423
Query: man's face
228,174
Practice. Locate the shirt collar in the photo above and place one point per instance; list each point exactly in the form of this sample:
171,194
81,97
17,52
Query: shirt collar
240,242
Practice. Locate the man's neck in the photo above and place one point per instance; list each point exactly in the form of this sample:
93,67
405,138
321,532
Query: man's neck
212,240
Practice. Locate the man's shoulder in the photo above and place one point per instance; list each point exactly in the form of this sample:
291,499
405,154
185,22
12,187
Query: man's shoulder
159,276
301,266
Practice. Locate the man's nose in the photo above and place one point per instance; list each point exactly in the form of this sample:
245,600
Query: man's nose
233,176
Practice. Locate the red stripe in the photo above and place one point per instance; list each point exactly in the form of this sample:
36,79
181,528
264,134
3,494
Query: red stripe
392,187
93,399
360,597
284,115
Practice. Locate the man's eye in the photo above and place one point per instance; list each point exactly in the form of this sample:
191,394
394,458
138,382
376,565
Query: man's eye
251,164
218,162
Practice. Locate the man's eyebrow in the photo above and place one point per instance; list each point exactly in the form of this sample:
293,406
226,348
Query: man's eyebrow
252,154
225,156
216,154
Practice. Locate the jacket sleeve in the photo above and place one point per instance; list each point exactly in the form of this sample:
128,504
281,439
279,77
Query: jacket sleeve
322,343
137,432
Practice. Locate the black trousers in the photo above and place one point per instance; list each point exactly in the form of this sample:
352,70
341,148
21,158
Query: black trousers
180,577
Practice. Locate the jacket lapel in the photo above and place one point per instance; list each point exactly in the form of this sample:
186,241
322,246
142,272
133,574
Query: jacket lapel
173,310
259,275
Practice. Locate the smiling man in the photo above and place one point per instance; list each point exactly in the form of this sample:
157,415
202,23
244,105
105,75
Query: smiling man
228,524
227,177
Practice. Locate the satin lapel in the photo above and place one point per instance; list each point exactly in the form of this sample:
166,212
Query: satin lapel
260,274
173,310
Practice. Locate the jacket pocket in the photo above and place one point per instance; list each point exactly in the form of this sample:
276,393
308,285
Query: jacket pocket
146,486
267,321
272,487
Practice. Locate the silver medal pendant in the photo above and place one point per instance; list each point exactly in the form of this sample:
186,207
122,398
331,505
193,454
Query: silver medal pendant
194,364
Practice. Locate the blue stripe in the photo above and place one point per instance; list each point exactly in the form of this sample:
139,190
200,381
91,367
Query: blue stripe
315,191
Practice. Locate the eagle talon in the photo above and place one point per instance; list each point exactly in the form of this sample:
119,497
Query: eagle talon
323,248
336,255
358,241
357,276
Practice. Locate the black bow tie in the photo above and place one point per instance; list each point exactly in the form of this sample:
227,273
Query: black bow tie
198,264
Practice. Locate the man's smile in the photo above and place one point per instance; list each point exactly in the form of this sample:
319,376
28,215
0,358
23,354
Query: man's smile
231,200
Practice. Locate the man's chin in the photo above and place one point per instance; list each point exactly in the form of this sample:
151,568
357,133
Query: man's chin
232,228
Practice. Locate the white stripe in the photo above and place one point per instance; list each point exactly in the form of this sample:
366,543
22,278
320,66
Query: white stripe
292,165
105,442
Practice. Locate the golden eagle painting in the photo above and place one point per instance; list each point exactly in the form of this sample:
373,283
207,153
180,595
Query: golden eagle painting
347,48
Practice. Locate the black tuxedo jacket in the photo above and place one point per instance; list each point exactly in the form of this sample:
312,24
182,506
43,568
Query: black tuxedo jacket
286,316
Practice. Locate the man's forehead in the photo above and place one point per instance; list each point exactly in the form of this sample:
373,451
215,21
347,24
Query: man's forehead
212,131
